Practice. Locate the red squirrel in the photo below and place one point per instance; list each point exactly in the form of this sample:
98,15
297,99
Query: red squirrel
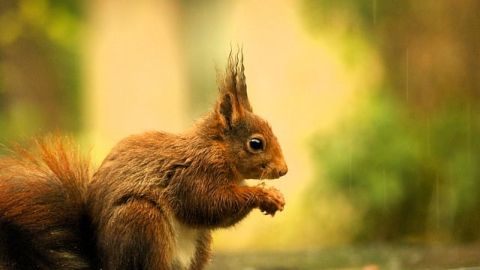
152,203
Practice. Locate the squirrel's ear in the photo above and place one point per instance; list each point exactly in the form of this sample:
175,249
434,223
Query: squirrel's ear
233,99
227,111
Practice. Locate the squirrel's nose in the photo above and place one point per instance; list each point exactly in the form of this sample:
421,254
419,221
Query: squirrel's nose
283,170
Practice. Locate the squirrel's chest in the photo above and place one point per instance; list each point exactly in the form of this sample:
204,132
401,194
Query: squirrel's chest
185,244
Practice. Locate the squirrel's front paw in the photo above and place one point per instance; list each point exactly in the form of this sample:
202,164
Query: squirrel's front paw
272,201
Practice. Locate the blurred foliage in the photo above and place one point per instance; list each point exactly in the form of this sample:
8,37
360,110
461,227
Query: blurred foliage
39,66
408,180
407,161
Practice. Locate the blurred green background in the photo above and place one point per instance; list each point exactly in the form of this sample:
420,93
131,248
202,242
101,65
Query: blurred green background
376,104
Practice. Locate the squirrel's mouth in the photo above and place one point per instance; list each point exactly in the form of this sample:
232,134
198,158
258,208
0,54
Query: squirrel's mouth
272,172
261,173
269,174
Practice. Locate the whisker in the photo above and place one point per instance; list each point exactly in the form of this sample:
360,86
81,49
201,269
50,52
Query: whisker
265,171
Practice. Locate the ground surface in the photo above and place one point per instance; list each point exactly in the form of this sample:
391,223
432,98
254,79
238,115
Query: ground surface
362,258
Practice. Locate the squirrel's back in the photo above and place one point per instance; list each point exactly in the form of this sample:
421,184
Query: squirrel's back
43,223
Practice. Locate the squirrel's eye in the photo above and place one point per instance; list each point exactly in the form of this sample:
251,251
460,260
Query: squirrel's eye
256,144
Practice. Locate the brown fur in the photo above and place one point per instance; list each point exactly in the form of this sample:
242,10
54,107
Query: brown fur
156,197
42,208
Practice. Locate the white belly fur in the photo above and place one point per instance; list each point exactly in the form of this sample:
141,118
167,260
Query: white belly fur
185,244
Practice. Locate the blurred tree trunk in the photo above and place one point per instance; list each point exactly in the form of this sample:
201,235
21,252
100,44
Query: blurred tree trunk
431,51
204,27
134,70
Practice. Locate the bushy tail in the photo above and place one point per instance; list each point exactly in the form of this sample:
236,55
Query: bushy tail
43,220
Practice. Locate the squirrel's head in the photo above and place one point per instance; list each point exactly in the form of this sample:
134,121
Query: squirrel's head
249,140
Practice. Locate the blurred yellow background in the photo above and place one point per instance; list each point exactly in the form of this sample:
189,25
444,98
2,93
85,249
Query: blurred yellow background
374,103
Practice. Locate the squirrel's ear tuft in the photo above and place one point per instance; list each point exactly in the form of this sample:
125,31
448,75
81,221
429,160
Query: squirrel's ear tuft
233,99
237,77
233,81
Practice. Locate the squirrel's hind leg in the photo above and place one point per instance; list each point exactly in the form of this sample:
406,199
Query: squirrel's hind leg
136,236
